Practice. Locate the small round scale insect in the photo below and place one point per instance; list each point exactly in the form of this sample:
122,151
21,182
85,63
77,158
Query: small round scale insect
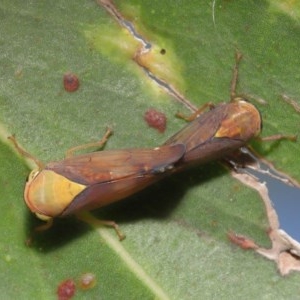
66,289
71,82
87,281
156,119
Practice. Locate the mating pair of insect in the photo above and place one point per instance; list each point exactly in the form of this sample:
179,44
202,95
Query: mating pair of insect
89,181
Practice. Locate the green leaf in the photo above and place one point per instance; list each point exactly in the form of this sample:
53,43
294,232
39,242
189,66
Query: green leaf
176,244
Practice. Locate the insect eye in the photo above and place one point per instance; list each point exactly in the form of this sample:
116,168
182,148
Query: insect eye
43,217
32,175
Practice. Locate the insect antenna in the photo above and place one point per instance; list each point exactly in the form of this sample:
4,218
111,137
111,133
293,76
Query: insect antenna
24,153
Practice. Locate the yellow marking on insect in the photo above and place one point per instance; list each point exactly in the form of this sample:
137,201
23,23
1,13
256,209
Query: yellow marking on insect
234,127
48,193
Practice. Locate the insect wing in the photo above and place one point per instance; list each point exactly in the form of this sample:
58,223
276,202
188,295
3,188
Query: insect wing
120,174
113,165
200,130
105,193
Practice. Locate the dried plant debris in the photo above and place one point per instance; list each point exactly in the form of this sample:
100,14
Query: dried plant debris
283,221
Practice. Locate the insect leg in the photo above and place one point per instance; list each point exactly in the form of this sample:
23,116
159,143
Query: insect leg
291,102
235,76
99,144
278,137
115,226
196,114
233,95
45,226
88,218
241,241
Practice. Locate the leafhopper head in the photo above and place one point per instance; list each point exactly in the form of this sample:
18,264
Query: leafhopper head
47,194
243,121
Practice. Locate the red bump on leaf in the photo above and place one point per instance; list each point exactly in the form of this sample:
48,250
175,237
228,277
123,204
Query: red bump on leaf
71,82
156,119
